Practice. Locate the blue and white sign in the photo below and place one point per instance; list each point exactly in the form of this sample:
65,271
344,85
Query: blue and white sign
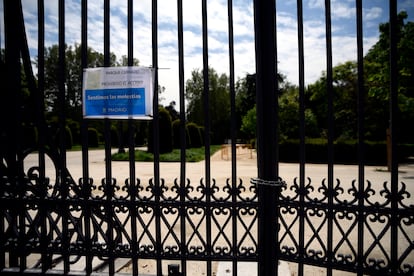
118,92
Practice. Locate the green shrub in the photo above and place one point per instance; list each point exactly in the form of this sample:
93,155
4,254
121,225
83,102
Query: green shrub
345,152
93,137
114,136
165,132
194,132
68,138
30,136
75,130
176,130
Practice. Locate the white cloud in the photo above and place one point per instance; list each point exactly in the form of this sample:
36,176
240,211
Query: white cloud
372,13
342,10
316,4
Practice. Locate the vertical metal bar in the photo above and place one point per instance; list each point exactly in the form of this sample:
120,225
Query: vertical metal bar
108,168
13,20
62,139
156,138
393,57
233,136
301,209
206,101
329,88
183,140
131,150
13,85
86,183
43,209
267,141
361,136
40,84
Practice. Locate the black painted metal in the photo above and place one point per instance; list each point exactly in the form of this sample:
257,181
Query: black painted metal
302,135
89,221
361,130
266,107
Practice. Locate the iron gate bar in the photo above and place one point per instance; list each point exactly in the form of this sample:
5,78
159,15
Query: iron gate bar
157,209
131,149
302,150
267,140
183,139
207,129
64,187
13,83
329,89
233,134
393,57
109,182
42,128
86,181
361,136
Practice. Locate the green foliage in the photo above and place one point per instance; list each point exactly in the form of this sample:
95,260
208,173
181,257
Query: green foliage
141,133
249,123
67,137
195,138
377,79
30,136
345,98
289,115
176,127
165,132
245,100
74,127
93,137
192,155
114,136
345,152
218,102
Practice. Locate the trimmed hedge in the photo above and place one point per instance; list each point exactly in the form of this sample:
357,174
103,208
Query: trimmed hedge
165,132
196,139
93,137
176,128
344,152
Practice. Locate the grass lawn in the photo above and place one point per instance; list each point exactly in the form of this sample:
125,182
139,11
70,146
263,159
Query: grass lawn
192,155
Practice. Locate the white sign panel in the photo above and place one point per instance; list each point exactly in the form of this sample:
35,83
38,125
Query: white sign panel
118,92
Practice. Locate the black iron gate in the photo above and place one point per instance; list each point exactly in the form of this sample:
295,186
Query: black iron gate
59,225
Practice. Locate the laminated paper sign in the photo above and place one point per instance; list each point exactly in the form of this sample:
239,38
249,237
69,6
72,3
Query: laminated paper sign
118,92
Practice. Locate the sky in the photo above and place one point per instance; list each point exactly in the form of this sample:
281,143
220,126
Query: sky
343,14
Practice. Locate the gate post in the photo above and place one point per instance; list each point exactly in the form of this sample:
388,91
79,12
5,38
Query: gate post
266,108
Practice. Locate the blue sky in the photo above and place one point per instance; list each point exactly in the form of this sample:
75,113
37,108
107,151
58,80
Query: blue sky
343,31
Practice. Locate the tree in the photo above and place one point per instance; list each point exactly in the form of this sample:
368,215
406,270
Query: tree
73,76
377,79
173,112
344,78
73,73
289,115
219,103
245,99
165,132
249,123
